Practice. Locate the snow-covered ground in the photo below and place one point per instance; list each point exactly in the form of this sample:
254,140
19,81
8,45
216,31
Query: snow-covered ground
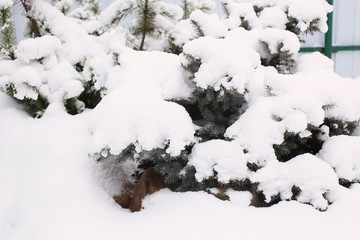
50,189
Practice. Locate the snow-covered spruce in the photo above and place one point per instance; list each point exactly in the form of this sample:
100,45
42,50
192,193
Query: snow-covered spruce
220,77
304,178
255,113
135,123
38,77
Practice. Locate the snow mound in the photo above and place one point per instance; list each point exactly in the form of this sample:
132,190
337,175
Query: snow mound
231,67
273,17
309,10
311,175
227,159
279,40
77,44
141,117
37,48
208,24
343,155
240,14
138,68
314,62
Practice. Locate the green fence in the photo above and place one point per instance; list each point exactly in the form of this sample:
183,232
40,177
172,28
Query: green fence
328,48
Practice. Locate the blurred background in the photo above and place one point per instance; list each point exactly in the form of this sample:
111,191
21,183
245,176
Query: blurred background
345,38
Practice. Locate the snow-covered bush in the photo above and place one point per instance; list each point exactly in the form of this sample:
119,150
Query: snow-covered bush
63,64
220,76
304,178
236,107
143,129
38,76
298,16
277,121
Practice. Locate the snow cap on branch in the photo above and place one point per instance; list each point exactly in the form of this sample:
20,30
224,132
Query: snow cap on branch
139,116
37,48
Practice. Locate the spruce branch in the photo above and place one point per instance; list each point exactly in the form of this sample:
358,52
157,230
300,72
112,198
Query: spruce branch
186,9
225,9
145,16
197,28
34,26
7,33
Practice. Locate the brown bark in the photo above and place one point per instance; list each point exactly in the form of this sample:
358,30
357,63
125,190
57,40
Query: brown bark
150,182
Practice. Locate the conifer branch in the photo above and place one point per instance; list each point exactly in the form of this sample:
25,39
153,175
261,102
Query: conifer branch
145,11
197,28
225,9
7,33
34,26
185,8
146,18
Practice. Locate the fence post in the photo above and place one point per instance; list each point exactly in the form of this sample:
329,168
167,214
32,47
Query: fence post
328,48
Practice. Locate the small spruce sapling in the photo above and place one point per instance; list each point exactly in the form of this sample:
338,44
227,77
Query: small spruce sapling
151,18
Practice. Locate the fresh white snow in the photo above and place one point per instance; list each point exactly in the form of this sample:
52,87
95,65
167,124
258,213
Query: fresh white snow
50,191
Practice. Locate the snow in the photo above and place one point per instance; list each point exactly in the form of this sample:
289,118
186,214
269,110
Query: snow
237,62
273,17
310,174
170,80
97,69
182,32
257,138
49,191
308,11
139,116
175,12
342,154
227,159
25,88
31,49
59,82
313,62
237,11
274,37
305,11
209,24
112,11
62,82
298,101
77,44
